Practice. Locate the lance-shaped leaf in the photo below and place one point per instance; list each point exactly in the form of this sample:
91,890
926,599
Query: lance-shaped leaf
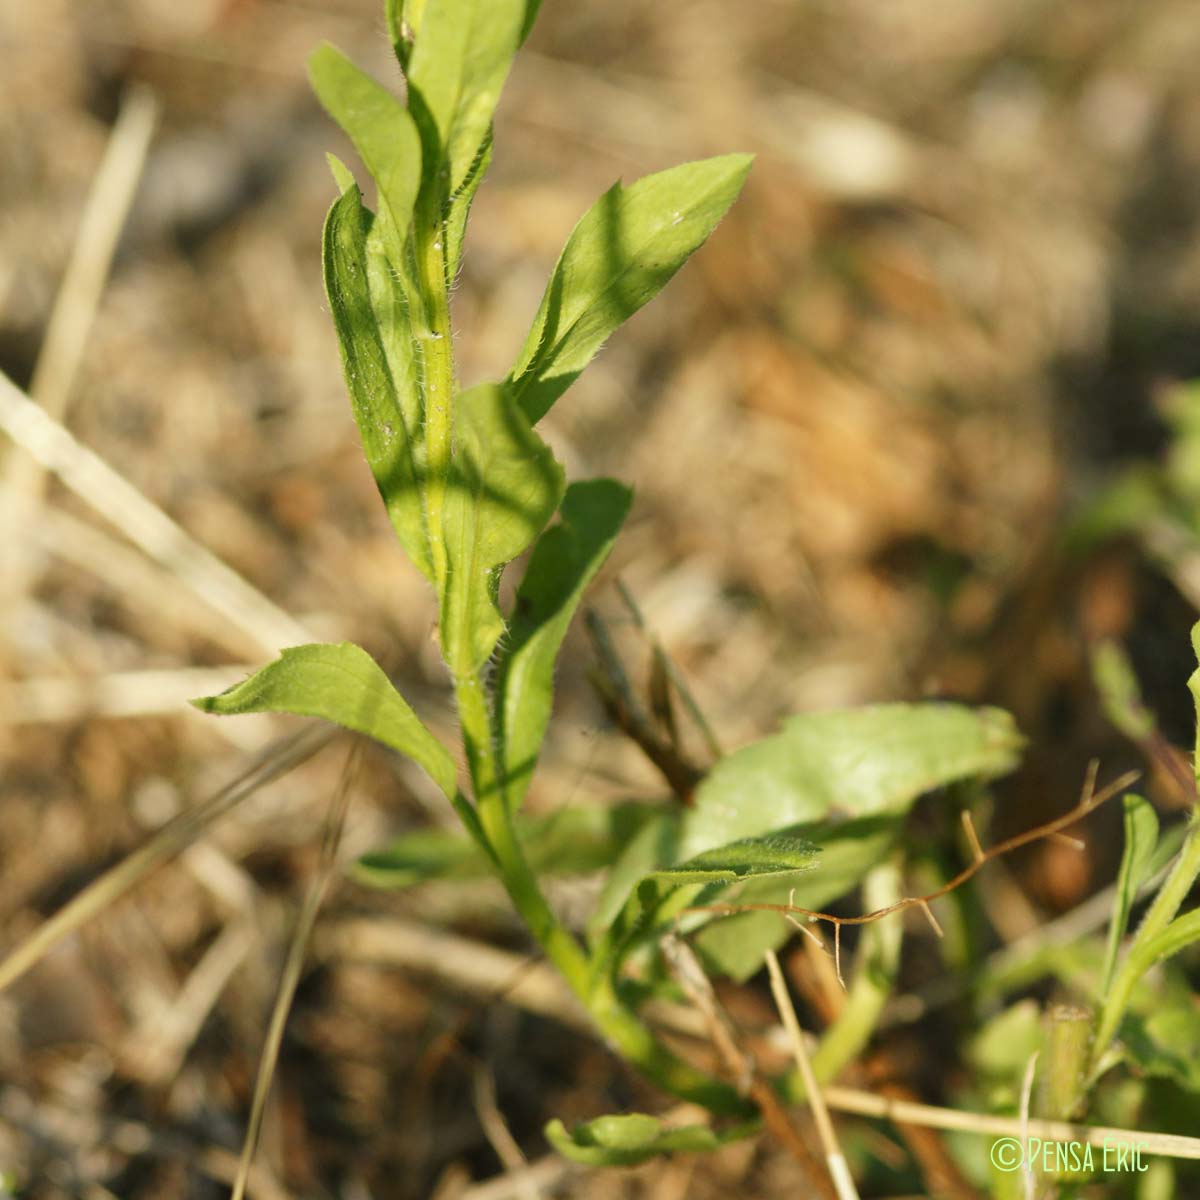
571,841
379,365
456,69
631,1138
383,133
854,762
1141,838
665,893
750,858
564,561
619,256
504,487
341,683
849,850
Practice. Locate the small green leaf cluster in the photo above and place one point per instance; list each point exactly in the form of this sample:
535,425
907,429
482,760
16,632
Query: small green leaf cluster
467,482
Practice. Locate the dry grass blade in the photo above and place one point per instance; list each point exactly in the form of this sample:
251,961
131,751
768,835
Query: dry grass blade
843,1181
867,1104
738,1064
292,967
124,694
83,283
75,307
144,523
147,587
159,1046
166,843
1026,1098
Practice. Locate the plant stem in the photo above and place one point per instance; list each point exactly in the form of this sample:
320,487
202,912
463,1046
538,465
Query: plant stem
438,359
494,824
619,1024
1160,914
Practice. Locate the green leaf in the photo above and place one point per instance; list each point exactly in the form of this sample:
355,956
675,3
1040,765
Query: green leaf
854,762
624,1141
504,487
571,841
1141,837
379,363
341,683
1181,933
456,69
1003,1045
564,561
666,892
735,945
383,133
867,764
749,858
342,175
619,256
1163,1039
1119,691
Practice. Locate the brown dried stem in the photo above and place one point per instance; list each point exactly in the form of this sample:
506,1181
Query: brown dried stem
1089,802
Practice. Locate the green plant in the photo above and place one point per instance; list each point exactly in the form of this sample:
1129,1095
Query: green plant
773,831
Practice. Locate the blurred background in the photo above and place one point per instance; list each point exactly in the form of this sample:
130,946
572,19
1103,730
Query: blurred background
910,425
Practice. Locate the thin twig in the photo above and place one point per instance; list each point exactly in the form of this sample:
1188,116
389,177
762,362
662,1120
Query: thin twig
843,1181
1081,920
293,965
499,1136
1090,802
173,837
612,686
673,673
